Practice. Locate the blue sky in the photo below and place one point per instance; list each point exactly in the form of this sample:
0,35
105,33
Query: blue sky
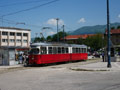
72,13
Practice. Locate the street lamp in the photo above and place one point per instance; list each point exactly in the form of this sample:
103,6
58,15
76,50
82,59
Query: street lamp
108,34
44,28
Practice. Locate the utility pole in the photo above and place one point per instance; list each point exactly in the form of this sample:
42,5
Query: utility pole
57,19
108,34
36,35
2,21
64,33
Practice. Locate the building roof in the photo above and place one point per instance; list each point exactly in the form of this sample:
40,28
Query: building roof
14,28
115,31
78,36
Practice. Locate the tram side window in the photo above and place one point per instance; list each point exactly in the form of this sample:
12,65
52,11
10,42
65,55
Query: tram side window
63,50
34,51
66,50
59,50
54,50
73,50
85,50
43,50
81,50
77,50
50,50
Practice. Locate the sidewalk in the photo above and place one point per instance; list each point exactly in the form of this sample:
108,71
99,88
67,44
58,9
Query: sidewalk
13,66
97,66
90,66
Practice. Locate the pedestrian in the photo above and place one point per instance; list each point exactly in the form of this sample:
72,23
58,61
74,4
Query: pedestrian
119,53
26,62
20,58
103,56
23,58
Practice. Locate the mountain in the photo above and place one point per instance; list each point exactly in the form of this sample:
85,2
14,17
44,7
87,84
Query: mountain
93,29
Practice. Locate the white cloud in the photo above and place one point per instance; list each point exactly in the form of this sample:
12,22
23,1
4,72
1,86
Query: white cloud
54,22
119,16
50,33
82,20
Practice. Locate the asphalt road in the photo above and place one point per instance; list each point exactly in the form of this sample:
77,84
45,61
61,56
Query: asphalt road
59,77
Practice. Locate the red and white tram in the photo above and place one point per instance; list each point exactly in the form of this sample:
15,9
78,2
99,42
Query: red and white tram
44,53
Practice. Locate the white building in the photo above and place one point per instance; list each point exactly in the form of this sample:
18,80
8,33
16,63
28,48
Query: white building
14,37
12,41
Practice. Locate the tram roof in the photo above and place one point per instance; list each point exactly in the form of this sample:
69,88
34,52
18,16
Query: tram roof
57,44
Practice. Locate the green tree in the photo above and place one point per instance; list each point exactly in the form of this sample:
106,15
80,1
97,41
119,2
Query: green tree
80,41
70,42
49,38
112,28
118,27
54,38
95,42
37,39
42,39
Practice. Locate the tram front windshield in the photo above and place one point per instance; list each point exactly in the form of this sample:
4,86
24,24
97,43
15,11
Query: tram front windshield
34,51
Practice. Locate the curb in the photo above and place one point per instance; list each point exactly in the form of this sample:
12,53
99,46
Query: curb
92,70
10,67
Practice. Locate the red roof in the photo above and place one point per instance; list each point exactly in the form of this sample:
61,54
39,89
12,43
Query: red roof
115,31
79,36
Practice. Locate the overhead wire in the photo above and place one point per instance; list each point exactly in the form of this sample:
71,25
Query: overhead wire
13,22
38,6
27,2
18,23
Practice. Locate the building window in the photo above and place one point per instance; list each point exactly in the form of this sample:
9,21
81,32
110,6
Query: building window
12,40
4,40
12,33
25,34
25,41
18,40
19,34
4,33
